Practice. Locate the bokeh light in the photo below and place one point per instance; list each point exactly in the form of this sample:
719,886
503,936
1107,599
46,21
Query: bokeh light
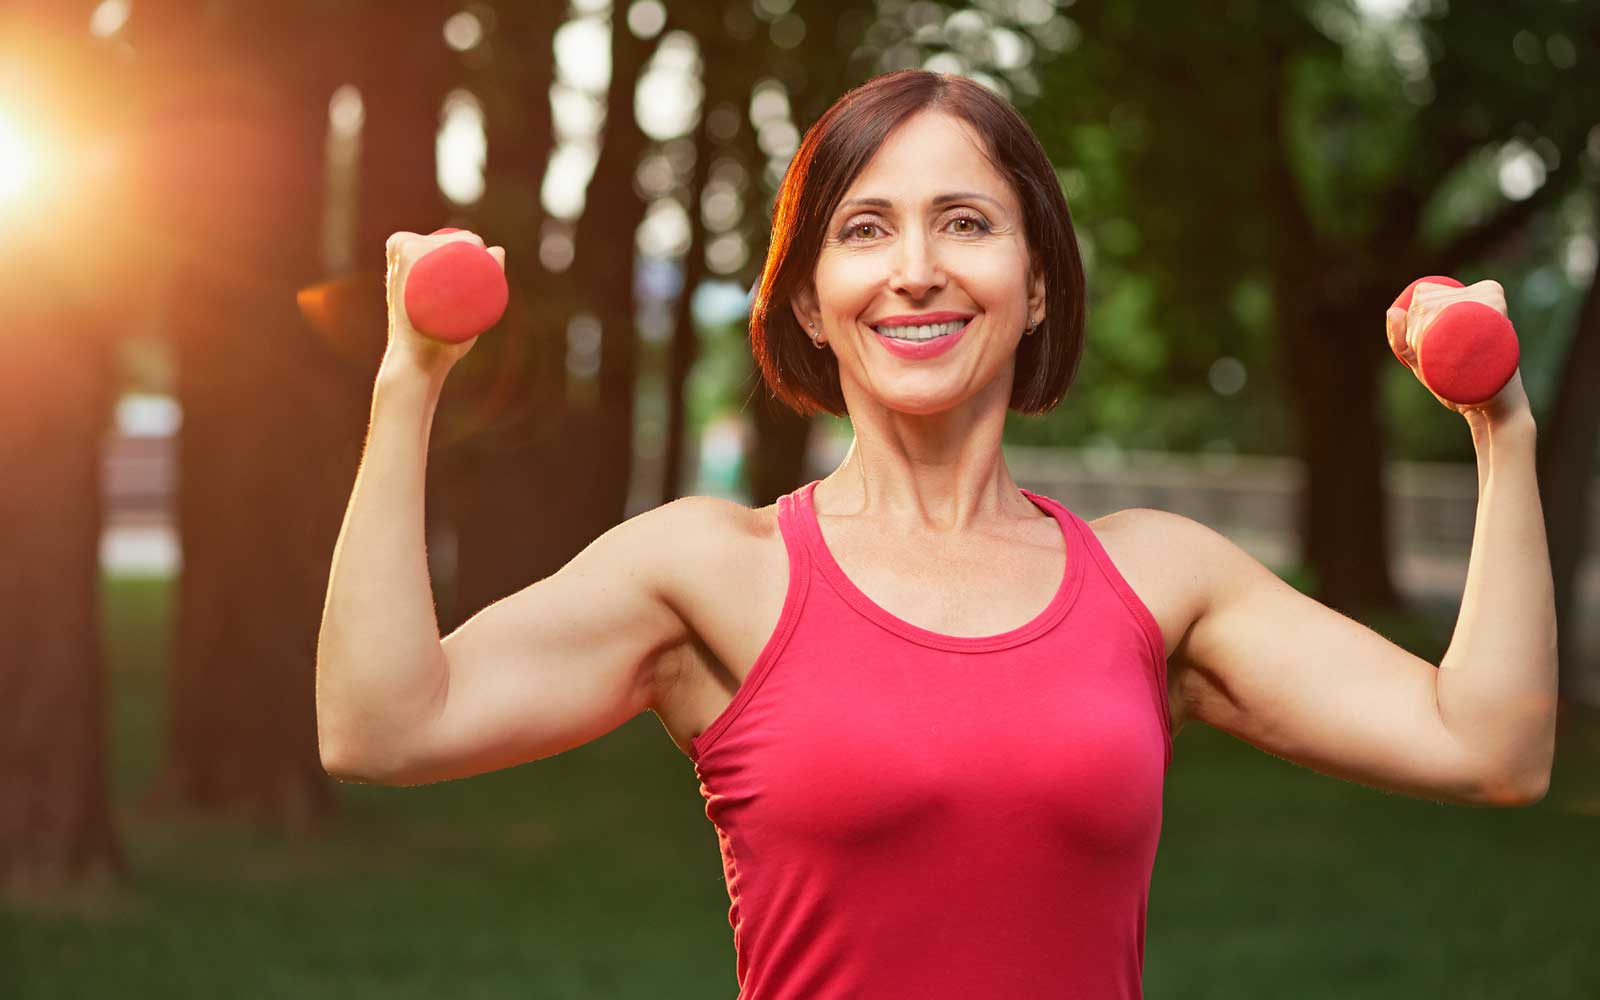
18,159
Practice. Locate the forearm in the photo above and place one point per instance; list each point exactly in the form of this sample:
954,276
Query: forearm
380,662
1497,681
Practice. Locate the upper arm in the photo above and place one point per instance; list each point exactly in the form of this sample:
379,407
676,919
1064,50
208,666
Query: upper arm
566,659
1300,680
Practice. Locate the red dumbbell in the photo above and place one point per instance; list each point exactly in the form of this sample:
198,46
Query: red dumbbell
1469,352
455,292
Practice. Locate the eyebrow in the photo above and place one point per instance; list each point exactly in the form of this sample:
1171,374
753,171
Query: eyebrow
942,199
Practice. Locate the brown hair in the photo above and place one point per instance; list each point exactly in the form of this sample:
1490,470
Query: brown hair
833,153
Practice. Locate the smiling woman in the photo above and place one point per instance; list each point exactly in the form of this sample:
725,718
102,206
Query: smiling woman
1007,195
931,712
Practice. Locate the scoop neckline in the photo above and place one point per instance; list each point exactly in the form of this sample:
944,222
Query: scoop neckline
1066,591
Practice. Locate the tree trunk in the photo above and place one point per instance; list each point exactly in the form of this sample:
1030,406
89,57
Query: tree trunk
508,482
397,189
1331,372
603,273
63,291
685,346
1566,475
55,400
272,417
1329,352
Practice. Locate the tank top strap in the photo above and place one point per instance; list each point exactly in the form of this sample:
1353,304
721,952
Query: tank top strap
1112,579
792,528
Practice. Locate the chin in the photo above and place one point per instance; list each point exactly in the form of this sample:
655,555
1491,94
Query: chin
921,405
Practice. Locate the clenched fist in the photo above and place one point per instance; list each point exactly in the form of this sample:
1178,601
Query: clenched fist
407,344
1482,345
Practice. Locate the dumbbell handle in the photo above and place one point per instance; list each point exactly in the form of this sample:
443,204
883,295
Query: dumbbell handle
1469,352
455,292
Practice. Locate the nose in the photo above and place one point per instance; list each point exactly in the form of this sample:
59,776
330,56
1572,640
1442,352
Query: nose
916,270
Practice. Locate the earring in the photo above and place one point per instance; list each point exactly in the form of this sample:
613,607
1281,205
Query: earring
814,341
1031,327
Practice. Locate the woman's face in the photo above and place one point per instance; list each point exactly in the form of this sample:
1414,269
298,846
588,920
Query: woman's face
927,240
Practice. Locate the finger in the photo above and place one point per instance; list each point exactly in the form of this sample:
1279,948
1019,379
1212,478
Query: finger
1426,303
1395,322
1489,292
499,254
395,240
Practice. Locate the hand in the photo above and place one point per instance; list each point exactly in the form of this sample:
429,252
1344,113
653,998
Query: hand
1407,328
407,347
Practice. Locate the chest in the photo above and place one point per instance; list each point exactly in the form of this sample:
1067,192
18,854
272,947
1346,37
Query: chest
983,587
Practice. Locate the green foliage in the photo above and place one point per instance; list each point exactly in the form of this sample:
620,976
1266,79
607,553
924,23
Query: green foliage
1164,141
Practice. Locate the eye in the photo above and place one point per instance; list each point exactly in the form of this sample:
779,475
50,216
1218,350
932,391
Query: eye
977,224
853,228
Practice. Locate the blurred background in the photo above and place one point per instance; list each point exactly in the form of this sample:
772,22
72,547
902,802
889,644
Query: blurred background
194,198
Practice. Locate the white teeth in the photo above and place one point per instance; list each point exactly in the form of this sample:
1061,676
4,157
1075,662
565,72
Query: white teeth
922,332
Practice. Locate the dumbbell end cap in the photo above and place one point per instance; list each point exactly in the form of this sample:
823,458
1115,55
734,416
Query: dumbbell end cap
456,292
1469,354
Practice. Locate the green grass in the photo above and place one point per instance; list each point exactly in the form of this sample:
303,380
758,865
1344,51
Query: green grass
596,874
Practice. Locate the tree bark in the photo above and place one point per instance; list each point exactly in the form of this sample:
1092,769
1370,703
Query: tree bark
507,485
1566,477
272,415
63,291
603,276
1329,350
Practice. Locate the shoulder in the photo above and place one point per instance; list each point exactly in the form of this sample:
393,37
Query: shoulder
1212,562
1207,561
706,520
702,526
1149,534
708,556
694,541
1183,540
1171,562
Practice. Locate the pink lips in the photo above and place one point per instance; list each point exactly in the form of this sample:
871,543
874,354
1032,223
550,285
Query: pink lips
919,350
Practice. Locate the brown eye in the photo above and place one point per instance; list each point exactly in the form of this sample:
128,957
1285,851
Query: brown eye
858,227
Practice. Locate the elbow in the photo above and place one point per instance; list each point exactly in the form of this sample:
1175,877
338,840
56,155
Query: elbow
1536,788
1515,790
343,765
339,766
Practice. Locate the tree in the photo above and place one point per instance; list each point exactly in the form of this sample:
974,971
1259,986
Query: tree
64,290
1567,445
513,478
1302,157
272,414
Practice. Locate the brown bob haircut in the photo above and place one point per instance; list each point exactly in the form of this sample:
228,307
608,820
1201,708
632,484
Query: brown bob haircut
833,153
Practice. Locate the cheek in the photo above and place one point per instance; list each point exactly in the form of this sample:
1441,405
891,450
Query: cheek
992,278
844,284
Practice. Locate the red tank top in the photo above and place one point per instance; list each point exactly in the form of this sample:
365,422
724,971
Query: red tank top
903,813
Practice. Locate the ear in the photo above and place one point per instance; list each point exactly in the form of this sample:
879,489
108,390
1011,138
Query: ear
804,304
1036,296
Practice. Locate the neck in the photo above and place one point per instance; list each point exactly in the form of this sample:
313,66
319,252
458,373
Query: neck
932,472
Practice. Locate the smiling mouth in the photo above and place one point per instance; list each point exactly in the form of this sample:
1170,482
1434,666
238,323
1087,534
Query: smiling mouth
928,331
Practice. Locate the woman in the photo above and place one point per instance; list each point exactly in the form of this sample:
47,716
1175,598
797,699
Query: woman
931,711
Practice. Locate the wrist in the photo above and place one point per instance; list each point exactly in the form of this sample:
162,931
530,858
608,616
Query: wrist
1489,424
398,371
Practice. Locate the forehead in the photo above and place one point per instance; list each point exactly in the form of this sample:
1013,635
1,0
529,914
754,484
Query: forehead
929,153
